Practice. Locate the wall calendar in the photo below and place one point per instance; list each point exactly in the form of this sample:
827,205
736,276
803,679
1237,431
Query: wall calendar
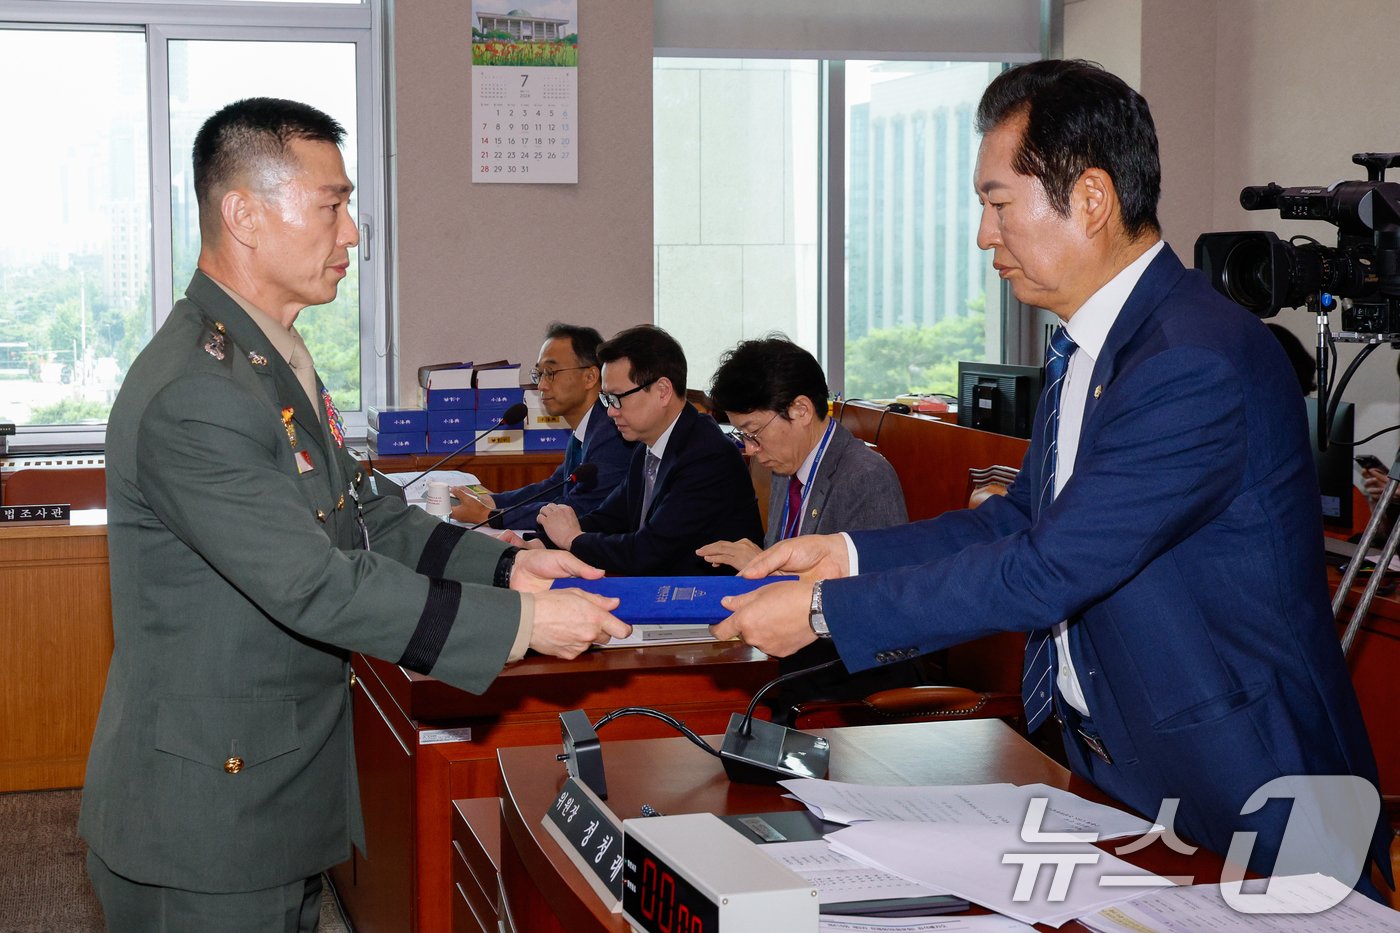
525,93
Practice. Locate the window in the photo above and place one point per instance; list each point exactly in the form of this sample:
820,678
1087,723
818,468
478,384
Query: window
103,235
736,208
75,259
919,295
739,157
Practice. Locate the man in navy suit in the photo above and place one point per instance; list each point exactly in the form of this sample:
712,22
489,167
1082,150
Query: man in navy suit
1162,544
687,484
567,373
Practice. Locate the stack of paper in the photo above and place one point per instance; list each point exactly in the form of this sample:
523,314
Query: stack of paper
979,842
1298,904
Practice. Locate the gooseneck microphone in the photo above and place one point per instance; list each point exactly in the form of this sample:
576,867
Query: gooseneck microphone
756,751
583,478
509,419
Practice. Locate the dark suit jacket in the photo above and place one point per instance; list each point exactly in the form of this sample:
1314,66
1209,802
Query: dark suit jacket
223,758
702,493
854,488
603,447
1187,551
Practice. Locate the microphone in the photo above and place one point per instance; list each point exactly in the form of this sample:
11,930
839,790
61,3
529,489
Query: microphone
509,419
583,478
756,751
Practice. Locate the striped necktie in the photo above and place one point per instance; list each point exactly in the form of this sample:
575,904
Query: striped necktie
1038,672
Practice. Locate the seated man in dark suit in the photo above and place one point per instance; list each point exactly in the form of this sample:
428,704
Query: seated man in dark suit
687,485
825,480
567,373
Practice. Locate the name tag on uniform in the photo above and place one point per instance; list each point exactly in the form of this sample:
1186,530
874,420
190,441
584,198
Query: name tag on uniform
304,464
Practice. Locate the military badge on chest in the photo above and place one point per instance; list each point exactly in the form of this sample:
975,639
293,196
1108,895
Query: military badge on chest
333,420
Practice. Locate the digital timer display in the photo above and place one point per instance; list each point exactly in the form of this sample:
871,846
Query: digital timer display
661,901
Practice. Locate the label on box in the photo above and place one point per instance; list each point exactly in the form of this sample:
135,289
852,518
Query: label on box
499,377
502,442
539,421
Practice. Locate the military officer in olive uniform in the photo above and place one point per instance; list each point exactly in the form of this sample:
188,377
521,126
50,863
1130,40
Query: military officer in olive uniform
250,555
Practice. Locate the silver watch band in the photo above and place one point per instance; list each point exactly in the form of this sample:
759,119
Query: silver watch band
816,618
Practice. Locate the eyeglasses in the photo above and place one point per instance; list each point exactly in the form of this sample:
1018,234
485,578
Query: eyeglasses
611,400
538,375
747,438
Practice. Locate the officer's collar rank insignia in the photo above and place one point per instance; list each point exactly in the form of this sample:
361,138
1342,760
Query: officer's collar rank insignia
290,428
256,358
333,419
214,346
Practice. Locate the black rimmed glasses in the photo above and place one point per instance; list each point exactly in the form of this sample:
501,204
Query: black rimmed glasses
538,375
611,400
747,438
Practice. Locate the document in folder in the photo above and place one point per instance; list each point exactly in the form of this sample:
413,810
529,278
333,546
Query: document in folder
670,600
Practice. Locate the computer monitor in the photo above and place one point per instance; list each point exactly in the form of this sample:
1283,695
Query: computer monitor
998,397
1334,465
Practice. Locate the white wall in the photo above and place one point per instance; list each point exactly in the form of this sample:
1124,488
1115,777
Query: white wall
1246,92
482,269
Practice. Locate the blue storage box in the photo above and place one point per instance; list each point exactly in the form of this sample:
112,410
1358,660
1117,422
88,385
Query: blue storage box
536,441
486,420
446,442
451,421
398,420
498,400
453,399
393,443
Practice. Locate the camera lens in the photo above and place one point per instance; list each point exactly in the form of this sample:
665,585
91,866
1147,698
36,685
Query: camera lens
1247,274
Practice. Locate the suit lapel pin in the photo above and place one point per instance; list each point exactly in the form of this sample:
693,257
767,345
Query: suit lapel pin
1098,390
290,428
219,327
256,358
815,511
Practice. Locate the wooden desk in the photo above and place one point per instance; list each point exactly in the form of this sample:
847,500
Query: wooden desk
421,744
56,623
544,892
55,643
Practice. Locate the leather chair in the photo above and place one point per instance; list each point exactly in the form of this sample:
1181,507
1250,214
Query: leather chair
79,487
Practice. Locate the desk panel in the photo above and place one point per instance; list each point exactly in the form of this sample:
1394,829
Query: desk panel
422,744
544,888
55,643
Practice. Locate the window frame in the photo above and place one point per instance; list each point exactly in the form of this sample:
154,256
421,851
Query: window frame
360,23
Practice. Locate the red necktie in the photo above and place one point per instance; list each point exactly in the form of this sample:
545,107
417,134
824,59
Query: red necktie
794,507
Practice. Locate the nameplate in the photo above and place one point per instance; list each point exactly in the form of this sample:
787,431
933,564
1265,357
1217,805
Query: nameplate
14,514
591,836
443,736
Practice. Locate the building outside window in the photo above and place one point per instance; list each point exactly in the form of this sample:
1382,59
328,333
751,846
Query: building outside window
740,153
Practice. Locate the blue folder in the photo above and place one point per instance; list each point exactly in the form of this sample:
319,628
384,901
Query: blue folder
664,600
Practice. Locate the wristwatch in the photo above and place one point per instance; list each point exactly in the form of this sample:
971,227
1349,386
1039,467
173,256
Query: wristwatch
816,617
